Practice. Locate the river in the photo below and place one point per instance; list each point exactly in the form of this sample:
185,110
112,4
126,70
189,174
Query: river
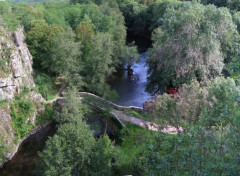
131,89
22,164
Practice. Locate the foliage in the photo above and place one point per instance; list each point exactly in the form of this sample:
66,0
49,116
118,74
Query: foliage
69,39
233,68
46,86
190,46
186,107
21,111
4,66
131,142
208,146
236,20
3,150
65,58
46,116
96,70
39,40
7,17
3,102
142,17
202,150
73,150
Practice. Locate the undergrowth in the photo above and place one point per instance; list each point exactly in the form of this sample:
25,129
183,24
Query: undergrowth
21,110
132,140
45,86
45,116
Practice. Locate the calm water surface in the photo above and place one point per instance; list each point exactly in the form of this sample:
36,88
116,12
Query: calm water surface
131,89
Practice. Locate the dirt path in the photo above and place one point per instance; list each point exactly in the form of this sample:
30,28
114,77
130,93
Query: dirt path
59,94
146,124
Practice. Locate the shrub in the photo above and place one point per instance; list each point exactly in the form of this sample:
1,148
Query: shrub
187,107
21,111
45,86
46,116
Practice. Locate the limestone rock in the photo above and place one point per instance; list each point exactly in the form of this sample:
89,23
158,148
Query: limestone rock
19,64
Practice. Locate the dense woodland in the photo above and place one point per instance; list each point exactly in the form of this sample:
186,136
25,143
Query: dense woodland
195,48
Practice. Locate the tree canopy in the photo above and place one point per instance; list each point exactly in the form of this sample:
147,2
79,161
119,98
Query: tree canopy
193,42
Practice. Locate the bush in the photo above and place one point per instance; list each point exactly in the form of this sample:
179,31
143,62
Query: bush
46,116
21,111
222,90
46,86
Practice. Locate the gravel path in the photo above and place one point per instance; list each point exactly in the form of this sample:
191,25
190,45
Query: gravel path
146,124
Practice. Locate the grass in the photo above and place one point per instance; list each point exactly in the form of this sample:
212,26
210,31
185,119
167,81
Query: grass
4,149
5,68
148,116
45,85
21,111
3,102
131,141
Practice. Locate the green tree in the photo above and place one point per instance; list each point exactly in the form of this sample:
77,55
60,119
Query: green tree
204,149
99,64
65,57
73,150
39,40
188,45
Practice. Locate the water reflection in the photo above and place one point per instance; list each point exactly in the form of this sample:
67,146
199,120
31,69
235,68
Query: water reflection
131,89
22,164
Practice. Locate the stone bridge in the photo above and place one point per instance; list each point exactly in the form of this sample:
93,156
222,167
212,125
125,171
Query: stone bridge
119,113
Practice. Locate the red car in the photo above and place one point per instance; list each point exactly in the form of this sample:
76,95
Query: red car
172,91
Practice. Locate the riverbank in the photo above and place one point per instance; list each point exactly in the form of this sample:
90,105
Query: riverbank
22,161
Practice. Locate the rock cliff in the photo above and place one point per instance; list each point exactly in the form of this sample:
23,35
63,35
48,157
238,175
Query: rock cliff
15,76
15,63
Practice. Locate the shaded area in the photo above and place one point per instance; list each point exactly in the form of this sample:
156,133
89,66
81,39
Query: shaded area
22,164
102,123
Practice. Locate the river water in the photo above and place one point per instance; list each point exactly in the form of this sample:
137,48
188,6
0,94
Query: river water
22,164
131,89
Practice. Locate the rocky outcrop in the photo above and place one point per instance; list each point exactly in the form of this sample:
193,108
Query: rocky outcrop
15,75
16,63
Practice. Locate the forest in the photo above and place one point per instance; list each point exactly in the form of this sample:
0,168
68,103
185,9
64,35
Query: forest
195,50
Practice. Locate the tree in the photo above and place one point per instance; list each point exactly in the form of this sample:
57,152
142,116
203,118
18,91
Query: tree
205,148
73,150
65,58
39,40
99,64
188,45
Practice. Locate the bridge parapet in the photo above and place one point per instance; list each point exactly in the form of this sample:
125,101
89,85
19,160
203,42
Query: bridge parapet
108,103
